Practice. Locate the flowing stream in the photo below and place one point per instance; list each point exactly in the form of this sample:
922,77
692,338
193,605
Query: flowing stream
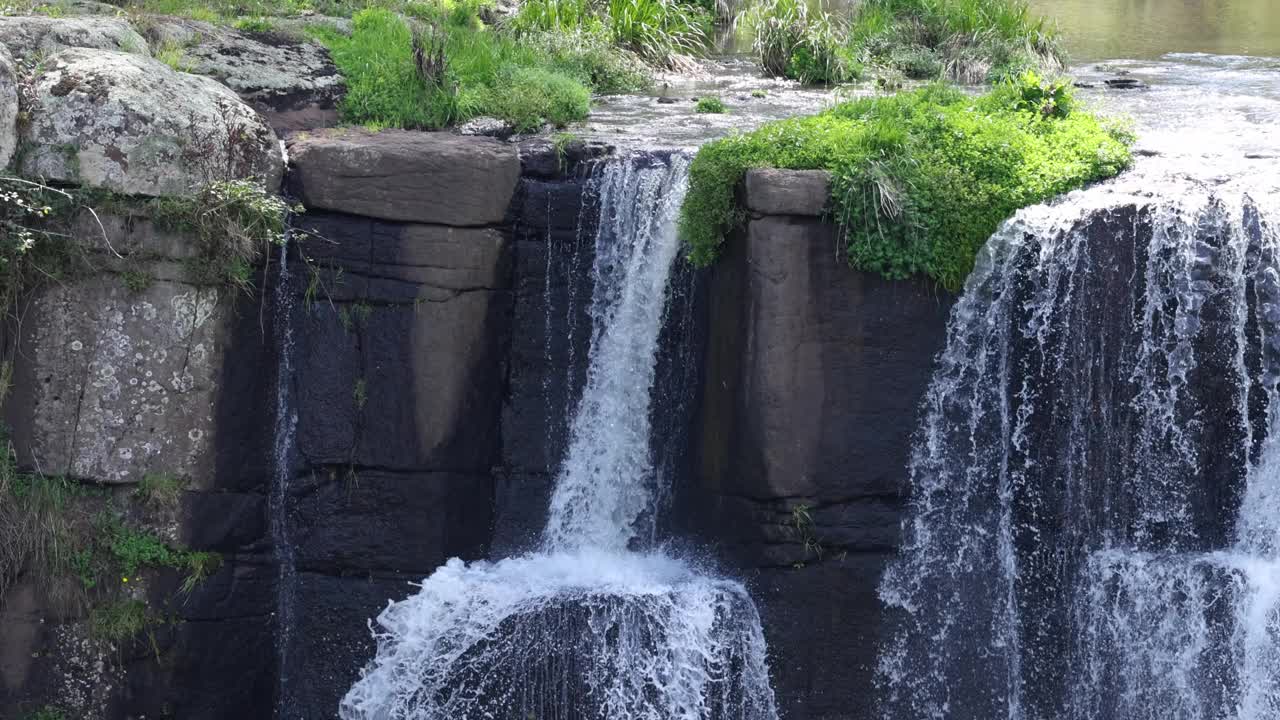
597,624
1095,525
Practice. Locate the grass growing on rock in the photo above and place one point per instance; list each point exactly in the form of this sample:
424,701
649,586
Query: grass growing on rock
920,180
450,69
710,105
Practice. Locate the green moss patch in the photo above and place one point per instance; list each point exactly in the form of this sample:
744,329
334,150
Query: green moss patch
920,180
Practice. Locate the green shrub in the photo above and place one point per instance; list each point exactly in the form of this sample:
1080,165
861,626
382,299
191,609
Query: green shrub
710,104
965,40
590,58
479,71
968,41
920,180
254,25
556,16
792,41
529,97
657,30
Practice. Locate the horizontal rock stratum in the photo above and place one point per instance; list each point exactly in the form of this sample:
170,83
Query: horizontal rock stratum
423,177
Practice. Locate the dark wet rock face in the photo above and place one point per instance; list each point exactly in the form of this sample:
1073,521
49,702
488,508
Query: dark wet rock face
813,375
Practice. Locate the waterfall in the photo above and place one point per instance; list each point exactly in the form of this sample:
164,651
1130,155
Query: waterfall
593,626
286,421
1094,531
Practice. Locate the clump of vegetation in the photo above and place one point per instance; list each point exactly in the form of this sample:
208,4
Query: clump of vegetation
32,246
921,179
37,525
710,104
234,222
660,31
160,490
48,712
120,620
968,41
452,69
791,40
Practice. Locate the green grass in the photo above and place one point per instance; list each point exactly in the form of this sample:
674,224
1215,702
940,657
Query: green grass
711,105
969,41
964,40
791,40
527,82
920,180
120,620
657,30
160,490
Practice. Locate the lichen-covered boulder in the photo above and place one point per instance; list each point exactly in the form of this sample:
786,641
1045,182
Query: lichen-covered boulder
132,125
8,107
120,363
37,36
283,75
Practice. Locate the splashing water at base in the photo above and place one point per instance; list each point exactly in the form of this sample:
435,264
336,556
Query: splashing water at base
1095,527
588,628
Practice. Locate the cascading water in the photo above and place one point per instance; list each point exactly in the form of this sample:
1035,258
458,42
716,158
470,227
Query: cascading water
286,422
589,627
1095,524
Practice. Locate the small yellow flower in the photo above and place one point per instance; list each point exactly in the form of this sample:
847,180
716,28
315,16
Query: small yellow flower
124,579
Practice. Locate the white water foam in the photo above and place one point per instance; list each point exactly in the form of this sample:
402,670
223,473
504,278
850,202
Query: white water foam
1110,376
587,628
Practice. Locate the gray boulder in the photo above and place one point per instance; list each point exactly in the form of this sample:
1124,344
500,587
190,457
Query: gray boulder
426,177
8,107
283,75
118,384
36,36
132,125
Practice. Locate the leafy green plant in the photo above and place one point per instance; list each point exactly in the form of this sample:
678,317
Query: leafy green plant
965,40
759,94
920,180
657,30
473,72
792,40
710,104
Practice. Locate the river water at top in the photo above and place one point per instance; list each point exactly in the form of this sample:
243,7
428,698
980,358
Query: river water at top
1149,29
1208,101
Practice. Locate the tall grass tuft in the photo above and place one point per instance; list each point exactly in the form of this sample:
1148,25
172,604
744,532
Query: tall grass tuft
793,41
451,70
968,41
660,31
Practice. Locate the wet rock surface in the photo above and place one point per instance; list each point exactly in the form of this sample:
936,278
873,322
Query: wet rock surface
813,375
